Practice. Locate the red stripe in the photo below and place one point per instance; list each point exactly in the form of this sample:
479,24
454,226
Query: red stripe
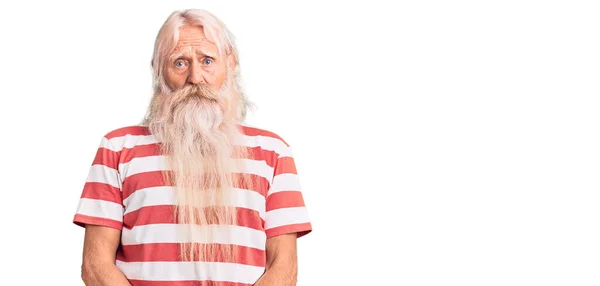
301,229
285,199
170,252
257,153
142,181
268,156
156,179
184,283
127,154
285,165
101,191
164,214
259,184
253,131
82,220
139,151
107,158
142,130
129,130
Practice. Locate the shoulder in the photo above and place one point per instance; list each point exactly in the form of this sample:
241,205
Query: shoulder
265,139
132,130
126,137
254,131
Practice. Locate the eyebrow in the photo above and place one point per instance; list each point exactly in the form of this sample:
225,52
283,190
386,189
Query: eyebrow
182,54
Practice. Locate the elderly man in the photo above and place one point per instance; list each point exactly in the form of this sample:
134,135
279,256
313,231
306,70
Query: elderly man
192,195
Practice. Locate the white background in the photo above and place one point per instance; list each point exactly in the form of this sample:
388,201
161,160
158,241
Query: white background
438,142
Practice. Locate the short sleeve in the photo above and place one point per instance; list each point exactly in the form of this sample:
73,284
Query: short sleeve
285,209
101,201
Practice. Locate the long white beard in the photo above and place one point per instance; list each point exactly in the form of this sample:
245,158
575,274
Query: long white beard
197,137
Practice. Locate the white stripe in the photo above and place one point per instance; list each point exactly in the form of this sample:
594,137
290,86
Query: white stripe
286,216
102,174
158,163
285,182
100,209
157,196
105,143
264,142
259,168
173,233
287,152
130,141
179,271
146,197
141,165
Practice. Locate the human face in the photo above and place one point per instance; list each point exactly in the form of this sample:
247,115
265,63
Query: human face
195,60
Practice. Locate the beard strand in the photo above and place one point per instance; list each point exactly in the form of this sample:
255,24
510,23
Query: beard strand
197,138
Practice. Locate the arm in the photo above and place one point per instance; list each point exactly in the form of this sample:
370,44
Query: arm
99,251
282,262
100,211
286,220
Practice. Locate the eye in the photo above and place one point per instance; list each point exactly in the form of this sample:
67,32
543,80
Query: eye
207,61
179,63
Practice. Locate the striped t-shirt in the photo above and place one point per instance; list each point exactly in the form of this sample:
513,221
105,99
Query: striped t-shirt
125,189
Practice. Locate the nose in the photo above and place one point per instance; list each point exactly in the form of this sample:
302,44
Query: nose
195,76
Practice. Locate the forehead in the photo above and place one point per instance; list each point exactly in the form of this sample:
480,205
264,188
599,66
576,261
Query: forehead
193,37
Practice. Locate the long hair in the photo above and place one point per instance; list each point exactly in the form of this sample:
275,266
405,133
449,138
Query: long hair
197,130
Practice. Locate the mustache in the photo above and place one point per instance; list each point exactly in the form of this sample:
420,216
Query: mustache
196,91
